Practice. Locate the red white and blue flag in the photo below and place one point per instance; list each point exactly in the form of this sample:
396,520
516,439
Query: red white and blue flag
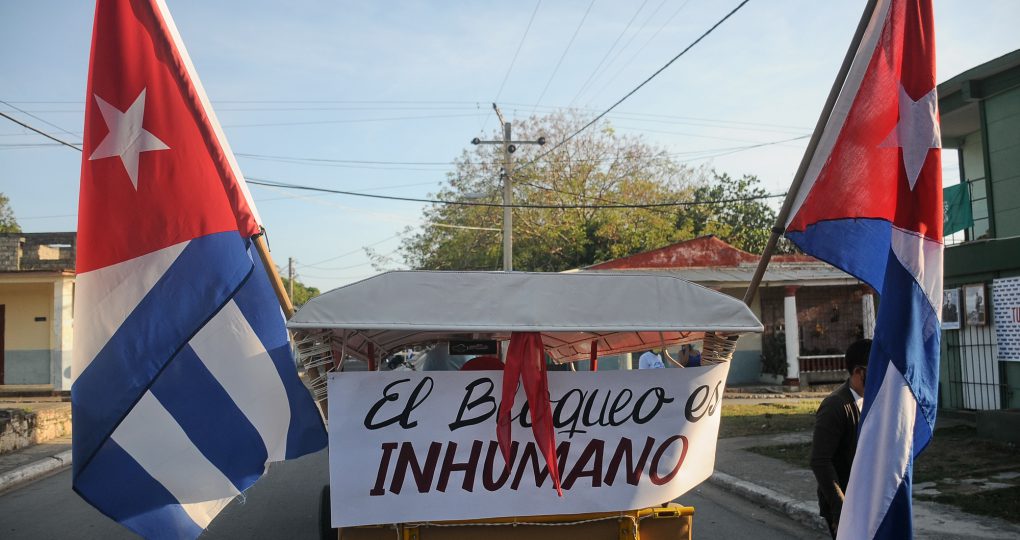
184,388
871,204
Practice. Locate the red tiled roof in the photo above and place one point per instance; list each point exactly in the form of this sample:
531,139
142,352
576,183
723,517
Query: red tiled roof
704,251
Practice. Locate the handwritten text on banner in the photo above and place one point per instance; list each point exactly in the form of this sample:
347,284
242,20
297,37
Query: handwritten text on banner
420,446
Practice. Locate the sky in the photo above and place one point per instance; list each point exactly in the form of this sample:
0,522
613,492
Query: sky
308,92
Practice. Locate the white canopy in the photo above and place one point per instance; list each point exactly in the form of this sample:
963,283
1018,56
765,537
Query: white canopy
622,311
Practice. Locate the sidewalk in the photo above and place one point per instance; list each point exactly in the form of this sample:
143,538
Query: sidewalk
792,491
34,462
51,426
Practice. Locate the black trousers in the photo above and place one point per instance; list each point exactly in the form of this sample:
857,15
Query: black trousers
832,526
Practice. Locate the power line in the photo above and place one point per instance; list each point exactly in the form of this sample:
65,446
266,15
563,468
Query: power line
43,133
220,101
389,105
643,117
720,152
39,119
22,218
340,268
517,52
566,160
352,252
608,52
703,122
644,46
271,183
644,24
440,166
353,120
25,146
646,81
510,68
465,227
659,116
352,163
332,101
753,146
357,277
322,199
465,107
715,153
317,265
343,164
360,108
564,55
683,134
315,276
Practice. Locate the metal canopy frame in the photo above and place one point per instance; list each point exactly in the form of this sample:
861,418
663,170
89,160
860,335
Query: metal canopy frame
618,312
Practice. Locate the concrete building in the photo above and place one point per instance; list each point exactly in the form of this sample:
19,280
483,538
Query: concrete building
36,305
810,309
980,120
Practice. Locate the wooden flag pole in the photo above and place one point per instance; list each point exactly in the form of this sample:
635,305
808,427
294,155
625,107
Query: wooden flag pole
274,276
798,178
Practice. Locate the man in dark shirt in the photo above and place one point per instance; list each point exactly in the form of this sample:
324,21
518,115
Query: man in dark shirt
835,436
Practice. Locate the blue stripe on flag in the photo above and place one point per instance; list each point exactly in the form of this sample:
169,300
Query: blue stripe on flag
201,280
856,246
260,307
907,328
120,488
307,434
907,331
899,520
212,421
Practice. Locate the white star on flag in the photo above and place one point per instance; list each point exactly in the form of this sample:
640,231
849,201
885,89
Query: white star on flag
916,133
127,138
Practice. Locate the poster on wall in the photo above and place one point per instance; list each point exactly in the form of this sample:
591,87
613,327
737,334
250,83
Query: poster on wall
974,303
951,309
1006,316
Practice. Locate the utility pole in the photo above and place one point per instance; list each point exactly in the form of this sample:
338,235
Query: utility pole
509,147
508,195
290,276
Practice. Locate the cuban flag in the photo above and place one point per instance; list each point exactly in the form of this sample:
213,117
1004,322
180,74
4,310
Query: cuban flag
184,385
871,204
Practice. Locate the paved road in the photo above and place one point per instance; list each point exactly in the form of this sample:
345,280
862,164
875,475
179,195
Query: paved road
285,504
721,514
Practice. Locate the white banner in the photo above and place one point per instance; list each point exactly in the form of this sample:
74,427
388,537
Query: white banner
421,446
1006,316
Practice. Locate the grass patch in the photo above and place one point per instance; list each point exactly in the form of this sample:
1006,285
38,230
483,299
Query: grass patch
798,454
1000,503
956,452
767,418
956,461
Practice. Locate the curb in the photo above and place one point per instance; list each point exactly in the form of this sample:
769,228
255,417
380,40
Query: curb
780,395
804,514
33,471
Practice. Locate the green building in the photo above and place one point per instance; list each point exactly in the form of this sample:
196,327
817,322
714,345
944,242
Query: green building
980,120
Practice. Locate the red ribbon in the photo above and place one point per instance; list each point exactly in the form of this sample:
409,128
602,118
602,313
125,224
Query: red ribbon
525,360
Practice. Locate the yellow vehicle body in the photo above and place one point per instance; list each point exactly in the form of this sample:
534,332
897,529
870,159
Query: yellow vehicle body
671,521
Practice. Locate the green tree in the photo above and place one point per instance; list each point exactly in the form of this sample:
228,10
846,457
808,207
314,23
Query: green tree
302,292
745,221
7,221
597,167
